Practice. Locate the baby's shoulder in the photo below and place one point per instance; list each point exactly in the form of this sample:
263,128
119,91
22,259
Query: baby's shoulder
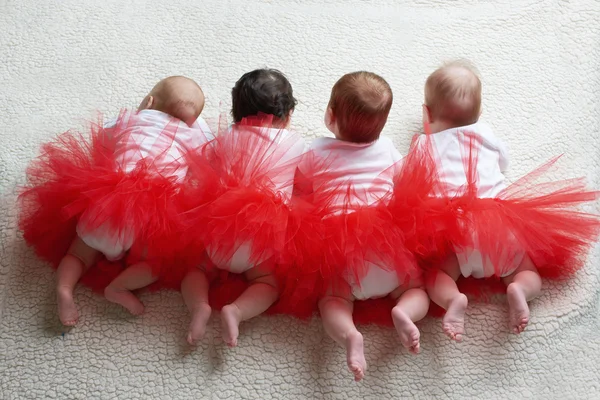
385,142
386,145
323,143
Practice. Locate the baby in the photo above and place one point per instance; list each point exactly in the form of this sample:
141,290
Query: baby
503,233
243,229
167,123
372,261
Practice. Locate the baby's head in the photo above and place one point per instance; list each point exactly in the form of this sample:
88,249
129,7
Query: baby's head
263,91
452,97
178,96
358,107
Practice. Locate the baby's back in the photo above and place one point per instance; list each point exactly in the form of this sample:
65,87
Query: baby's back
451,151
159,139
366,169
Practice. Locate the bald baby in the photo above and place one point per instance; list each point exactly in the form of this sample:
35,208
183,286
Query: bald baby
177,96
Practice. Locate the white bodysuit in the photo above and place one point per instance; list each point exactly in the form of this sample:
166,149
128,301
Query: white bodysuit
139,141
492,161
362,166
281,182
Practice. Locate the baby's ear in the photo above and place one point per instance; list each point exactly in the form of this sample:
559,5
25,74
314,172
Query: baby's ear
426,114
426,118
329,118
147,103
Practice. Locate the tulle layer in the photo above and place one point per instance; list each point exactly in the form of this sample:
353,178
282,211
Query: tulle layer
77,181
431,223
334,240
243,183
539,220
528,218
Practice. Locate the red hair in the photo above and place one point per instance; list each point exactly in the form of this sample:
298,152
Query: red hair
360,103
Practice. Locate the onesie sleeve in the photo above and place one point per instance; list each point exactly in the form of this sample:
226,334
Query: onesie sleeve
503,160
205,129
396,156
418,141
108,130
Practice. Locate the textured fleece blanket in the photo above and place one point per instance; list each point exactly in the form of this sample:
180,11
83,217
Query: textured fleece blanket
62,61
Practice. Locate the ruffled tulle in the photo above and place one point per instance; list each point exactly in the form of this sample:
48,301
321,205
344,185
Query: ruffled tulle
431,223
78,180
538,220
333,240
243,181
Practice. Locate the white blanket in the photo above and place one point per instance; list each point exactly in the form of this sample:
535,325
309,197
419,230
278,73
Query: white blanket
60,61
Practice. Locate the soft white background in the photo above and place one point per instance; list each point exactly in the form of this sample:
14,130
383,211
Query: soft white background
61,61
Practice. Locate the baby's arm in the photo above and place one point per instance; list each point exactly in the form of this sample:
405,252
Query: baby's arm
417,142
503,152
495,143
208,135
106,133
199,142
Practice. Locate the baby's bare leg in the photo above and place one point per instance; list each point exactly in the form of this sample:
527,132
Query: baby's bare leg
336,313
134,277
256,299
194,289
522,286
412,305
73,265
444,292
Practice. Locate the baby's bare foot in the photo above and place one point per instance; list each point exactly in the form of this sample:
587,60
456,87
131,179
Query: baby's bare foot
518,310
124,298
200,316
67,310
230,323
454,320
355,355
407,330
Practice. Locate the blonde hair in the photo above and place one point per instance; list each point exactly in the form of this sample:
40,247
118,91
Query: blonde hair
453,93
360,103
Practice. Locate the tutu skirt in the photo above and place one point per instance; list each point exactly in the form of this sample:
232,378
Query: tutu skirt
491,236
337,246
431,224
244,181
78,185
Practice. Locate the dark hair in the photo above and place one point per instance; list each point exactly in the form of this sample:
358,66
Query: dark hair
264,91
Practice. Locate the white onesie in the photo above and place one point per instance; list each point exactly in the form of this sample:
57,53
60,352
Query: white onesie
362,165
492,161
140,141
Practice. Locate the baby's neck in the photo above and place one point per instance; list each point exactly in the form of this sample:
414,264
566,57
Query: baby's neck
259,122
440,126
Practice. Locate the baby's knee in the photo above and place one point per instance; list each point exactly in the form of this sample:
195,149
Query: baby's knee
451,266
267,279
336,298
87,255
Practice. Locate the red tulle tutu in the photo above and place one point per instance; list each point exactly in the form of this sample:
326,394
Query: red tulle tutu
78,175
431,224
538,220
333,242
243,181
